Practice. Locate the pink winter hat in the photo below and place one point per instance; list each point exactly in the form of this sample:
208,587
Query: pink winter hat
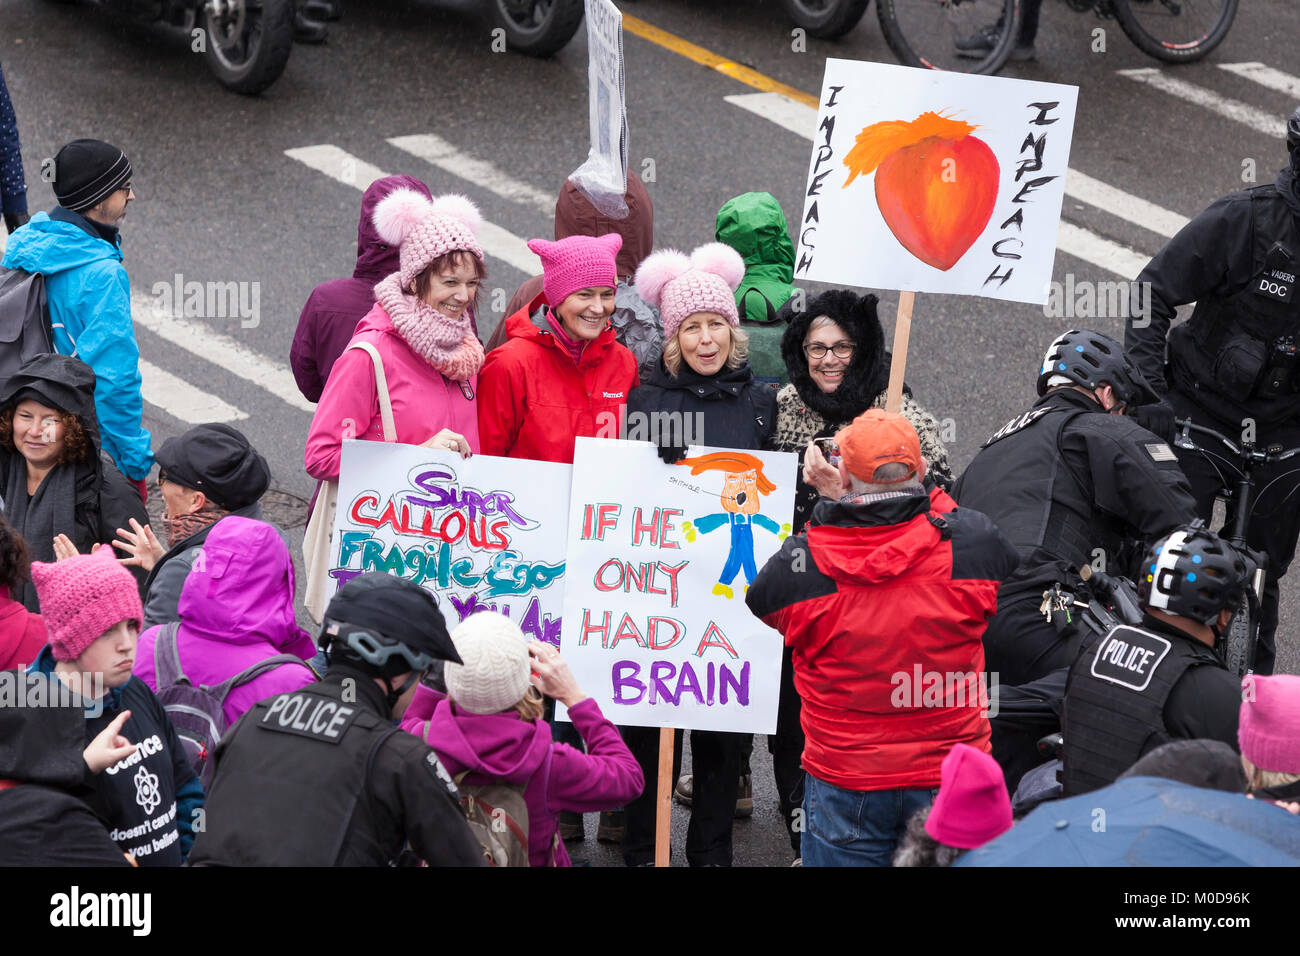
426,230
578,262
83,597
1269,726
973,806
680,286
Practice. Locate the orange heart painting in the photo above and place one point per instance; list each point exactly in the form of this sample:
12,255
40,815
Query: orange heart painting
936,185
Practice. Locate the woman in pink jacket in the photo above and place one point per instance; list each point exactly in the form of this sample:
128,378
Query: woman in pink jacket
421,326
489,725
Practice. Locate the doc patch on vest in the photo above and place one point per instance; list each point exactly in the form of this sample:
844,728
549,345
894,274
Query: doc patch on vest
309,715
1129,657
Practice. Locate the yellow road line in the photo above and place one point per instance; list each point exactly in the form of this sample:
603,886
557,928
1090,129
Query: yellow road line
715,62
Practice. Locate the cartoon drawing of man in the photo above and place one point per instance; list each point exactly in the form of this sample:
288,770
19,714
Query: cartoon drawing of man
741,491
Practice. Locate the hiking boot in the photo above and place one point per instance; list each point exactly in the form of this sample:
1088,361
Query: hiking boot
745,797
612,826
570,826
684,792
306,30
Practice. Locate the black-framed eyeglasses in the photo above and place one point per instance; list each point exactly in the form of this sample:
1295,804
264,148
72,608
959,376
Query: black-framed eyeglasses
817,350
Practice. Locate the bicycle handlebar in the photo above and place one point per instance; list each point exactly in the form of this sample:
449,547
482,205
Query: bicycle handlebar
1271,453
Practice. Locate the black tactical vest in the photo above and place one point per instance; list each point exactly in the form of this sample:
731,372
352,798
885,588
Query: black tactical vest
1115,702
1227,347
290,786
1021,480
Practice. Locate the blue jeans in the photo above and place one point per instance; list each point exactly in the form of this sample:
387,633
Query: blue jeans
855,828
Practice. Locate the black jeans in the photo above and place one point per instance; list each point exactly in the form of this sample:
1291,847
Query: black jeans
786,748
1275,514
715,761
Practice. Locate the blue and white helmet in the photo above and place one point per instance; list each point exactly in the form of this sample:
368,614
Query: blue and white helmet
1192,572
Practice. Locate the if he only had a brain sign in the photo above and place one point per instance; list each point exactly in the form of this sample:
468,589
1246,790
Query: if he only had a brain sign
929,181
655,625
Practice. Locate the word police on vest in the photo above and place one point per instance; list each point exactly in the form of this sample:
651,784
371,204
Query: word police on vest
1129,657
76,909
309,716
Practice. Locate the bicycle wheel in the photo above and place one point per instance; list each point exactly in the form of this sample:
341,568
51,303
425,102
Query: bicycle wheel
966,36
1238,639
1176,31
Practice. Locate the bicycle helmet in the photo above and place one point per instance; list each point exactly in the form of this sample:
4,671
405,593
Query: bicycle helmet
386,625
1192,572
1293,139
1087,358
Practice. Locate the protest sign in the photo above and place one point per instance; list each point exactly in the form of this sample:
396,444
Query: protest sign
929,181
480,533
655,623
603,177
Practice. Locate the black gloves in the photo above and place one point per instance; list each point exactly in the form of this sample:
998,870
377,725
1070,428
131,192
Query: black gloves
1157,418
15,219
671,454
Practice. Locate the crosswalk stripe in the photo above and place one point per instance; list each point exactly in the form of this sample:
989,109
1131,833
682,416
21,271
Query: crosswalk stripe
220,350
438,152
1266,76
1234,110
1094,192
342,166
182,400
1071,239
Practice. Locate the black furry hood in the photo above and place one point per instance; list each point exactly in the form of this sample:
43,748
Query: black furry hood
867,374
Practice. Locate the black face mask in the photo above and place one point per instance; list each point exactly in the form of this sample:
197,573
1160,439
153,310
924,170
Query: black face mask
395,694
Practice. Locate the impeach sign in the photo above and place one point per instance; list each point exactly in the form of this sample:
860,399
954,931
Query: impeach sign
655,623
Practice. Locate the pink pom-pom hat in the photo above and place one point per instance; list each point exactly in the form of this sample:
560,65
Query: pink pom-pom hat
682,286
424,230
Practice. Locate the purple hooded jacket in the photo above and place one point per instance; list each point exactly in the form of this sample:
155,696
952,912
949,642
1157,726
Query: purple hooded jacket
237,609
502,747
334,308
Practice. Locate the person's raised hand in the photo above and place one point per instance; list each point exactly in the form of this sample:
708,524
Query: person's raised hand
64,548
821,474
141,544
448,440
551,675
109,746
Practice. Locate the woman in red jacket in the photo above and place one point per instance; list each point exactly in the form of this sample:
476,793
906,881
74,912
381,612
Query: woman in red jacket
561,373
22,633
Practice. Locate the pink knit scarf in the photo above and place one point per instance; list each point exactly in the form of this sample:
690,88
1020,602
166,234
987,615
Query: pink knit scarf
449,345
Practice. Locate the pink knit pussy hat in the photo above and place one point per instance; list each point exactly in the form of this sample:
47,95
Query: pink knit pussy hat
83,597
972,807
1269,726
426,230
578,262
680,286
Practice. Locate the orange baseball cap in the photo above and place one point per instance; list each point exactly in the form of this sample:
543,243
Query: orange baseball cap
875,438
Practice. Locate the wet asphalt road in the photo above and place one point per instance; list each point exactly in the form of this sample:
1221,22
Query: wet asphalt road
219,200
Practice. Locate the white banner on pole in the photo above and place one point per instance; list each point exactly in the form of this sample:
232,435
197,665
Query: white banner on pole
603,177
930,181
655,623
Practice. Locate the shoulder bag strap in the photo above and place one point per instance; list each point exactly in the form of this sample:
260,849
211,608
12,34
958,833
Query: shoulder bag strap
252,673
167,657
381,386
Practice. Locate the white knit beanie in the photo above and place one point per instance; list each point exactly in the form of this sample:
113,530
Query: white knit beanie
494,676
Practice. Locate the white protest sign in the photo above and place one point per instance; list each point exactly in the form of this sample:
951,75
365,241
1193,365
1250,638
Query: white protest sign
655,623
929,181
603,177
479,533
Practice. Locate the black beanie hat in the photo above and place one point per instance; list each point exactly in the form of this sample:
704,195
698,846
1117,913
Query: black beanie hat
400,610
218,461
87,171
1210,764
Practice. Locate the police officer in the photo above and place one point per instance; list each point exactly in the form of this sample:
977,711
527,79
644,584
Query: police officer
1063,480
320,777
1233,365
1140,687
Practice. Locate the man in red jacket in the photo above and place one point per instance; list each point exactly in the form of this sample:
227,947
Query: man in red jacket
884,600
